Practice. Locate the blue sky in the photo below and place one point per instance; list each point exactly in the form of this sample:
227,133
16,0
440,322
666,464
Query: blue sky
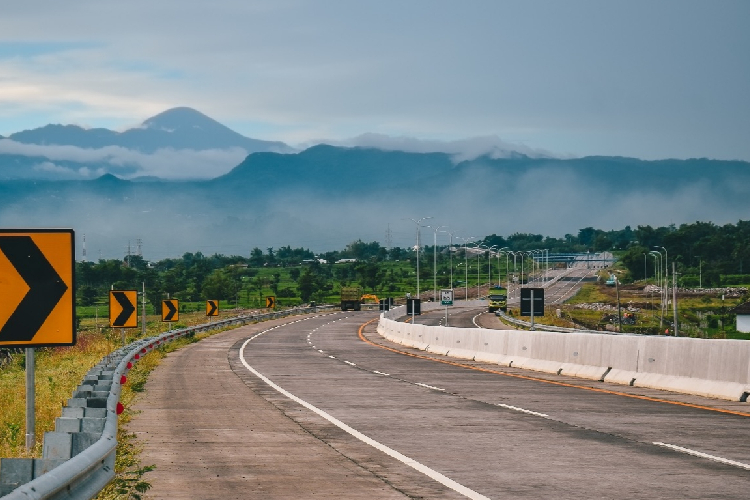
649,79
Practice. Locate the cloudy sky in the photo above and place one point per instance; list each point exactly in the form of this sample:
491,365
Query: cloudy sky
650,79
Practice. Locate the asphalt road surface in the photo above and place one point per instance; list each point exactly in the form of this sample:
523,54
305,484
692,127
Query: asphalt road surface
311,409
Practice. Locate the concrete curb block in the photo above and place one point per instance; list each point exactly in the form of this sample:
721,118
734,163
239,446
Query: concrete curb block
709,368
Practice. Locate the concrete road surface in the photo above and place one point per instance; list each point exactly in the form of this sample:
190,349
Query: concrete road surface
308,409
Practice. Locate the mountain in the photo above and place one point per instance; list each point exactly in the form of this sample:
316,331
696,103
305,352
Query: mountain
324,167
177,128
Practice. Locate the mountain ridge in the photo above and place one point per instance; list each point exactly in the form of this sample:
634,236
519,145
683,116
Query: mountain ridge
178,128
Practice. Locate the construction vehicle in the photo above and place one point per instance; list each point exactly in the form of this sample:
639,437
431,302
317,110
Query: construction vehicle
497,299
351,298
370,298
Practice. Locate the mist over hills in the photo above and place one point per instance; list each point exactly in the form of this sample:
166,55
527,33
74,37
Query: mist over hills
144,184
325,197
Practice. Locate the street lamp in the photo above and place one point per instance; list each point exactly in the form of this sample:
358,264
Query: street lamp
416,222
489,267
666,278
466,266
450,253
434,260
661,291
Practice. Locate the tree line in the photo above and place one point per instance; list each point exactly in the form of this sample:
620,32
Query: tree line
702,251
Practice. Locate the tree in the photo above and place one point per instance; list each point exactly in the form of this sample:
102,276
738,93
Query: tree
218,285
308,284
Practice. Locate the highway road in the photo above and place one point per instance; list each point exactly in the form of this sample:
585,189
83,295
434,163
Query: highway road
322,407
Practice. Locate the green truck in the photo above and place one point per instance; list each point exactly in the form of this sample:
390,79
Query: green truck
351,298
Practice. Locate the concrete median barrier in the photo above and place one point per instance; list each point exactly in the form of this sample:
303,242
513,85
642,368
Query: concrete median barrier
705,367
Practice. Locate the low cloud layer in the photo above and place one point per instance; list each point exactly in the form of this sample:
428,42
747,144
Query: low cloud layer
165,163
549,201
459,150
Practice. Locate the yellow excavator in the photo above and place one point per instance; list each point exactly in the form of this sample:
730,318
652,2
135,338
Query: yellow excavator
368,296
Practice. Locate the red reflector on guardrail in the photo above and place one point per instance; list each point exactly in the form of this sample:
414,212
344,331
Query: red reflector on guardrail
120,408
123,379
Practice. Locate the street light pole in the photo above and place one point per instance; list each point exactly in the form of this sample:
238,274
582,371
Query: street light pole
662,287
416,222
434,261
489,267
466,267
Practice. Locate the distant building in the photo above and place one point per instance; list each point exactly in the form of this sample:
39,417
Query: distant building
743,317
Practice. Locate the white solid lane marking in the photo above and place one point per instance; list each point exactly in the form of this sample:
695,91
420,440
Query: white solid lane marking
381,373
688,451
522,410
350,363
429,386
432,474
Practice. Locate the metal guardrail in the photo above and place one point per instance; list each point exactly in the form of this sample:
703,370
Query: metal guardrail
78,463
552,328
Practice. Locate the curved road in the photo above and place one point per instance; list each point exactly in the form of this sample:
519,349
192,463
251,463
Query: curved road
310,409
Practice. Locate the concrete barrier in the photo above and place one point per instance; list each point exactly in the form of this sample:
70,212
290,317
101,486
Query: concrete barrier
710,368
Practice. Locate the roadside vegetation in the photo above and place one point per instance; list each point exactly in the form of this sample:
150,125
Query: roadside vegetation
59,370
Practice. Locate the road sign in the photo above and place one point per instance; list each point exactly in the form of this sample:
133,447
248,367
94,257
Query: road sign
413,307
37,305
122,308
212,308
446,297
170,310
538,301
271,302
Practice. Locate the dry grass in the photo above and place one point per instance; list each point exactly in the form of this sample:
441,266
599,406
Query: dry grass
58,372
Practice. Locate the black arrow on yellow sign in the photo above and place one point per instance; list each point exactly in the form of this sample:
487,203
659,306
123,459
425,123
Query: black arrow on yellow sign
212,308
46,288
126,300
271,302
169,311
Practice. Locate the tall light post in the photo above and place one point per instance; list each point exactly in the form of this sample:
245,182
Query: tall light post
535,257
666,279
479,254
656,255
466,266
450,253
503,250
507,274
416,222
661,291
514,267
434,260
489,267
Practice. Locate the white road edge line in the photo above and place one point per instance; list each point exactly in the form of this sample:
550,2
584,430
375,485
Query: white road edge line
474,320
433,474
694,453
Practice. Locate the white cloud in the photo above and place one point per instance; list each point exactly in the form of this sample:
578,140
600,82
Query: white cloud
164,163
460,150
47,166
